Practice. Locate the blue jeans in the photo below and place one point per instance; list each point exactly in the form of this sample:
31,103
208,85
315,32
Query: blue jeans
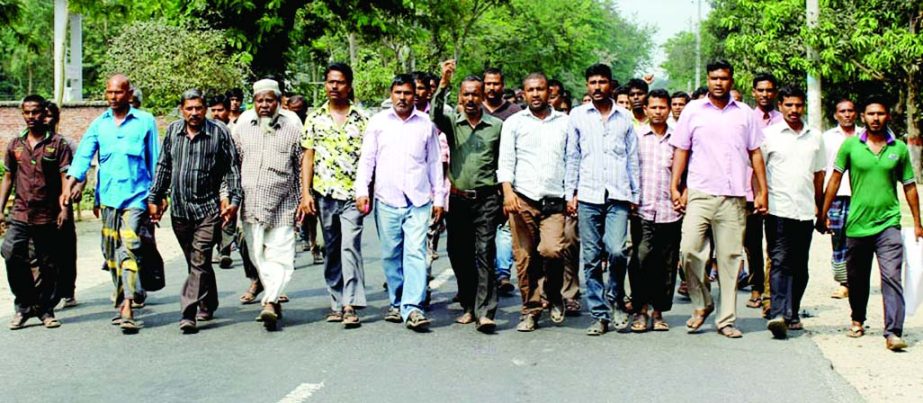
402,234
602,226
504,251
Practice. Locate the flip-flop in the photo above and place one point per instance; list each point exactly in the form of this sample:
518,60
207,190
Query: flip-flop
128,326
856,332
639,325
661,325
755,302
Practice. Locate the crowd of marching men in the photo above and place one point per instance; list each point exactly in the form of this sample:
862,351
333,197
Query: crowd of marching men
633,187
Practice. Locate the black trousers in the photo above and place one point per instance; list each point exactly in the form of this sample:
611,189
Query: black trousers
197,238
471,244
788,242
753,247
33,296
652,271
67,271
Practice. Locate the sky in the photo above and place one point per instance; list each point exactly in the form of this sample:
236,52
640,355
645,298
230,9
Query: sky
668,17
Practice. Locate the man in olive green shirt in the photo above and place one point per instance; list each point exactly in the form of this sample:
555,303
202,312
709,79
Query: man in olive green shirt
875,160
474,145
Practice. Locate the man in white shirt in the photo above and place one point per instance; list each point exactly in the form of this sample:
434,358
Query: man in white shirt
531,172
846,127
795,164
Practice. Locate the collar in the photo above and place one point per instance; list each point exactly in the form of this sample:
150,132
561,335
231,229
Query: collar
25,132
202,130
551,116
109,114
786,128
325,108
864,136
646,130
731,102
856,129
615,109
413,113
462,118
503,106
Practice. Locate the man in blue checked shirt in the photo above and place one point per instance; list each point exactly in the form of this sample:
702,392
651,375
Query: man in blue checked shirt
602,184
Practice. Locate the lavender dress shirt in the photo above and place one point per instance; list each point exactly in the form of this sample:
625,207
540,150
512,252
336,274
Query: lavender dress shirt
719,141
404,158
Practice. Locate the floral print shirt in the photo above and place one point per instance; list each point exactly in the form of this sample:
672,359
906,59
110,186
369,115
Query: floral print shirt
336,150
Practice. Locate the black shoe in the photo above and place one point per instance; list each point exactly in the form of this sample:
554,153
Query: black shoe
225,262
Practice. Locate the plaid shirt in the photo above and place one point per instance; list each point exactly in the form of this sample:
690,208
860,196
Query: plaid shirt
656,155
269,174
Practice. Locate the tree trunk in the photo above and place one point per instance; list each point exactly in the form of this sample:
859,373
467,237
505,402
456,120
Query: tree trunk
353,48
29,73
913,128
913,91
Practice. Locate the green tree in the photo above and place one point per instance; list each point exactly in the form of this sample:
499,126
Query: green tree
875,40
28,45
166,60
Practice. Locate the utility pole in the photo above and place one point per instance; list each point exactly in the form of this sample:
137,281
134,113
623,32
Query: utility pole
73,73
60,33
815,113
698,45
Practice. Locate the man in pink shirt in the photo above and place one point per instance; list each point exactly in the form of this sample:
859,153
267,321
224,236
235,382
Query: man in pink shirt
717,139
401,151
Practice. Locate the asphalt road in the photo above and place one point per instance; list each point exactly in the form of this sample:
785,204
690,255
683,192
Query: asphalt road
233,359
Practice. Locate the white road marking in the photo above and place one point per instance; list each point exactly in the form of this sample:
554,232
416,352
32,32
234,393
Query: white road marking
302,393
441,278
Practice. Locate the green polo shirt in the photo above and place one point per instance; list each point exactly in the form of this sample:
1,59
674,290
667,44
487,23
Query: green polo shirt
874,206
474,151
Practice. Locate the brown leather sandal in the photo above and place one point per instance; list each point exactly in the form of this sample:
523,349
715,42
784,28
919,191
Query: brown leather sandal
698,319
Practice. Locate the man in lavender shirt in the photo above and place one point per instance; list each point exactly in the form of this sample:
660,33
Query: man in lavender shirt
401,151
716,138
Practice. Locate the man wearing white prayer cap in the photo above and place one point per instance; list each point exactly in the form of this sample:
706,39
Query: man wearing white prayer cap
268,144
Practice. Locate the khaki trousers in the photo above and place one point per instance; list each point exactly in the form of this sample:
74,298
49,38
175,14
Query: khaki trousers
726,216
539,251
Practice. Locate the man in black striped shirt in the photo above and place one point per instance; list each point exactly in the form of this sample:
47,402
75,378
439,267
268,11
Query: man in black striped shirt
196,156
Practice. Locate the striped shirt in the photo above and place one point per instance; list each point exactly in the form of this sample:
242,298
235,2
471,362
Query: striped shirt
269,170
656,158
192,170
532,154
602,156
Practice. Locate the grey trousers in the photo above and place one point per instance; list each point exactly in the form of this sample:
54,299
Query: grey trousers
341,224
888,248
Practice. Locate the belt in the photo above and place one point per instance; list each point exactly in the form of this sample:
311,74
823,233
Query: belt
473,193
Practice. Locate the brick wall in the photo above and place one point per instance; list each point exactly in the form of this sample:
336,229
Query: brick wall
75,118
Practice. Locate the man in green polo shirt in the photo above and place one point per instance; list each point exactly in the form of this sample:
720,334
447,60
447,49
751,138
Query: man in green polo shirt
474,145
875,160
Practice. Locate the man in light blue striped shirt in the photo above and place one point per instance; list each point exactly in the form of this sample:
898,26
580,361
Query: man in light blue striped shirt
531,171
602,184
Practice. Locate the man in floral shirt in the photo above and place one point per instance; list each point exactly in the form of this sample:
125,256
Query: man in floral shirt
332,140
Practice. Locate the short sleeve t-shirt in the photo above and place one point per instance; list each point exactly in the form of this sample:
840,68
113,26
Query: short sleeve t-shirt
874,206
